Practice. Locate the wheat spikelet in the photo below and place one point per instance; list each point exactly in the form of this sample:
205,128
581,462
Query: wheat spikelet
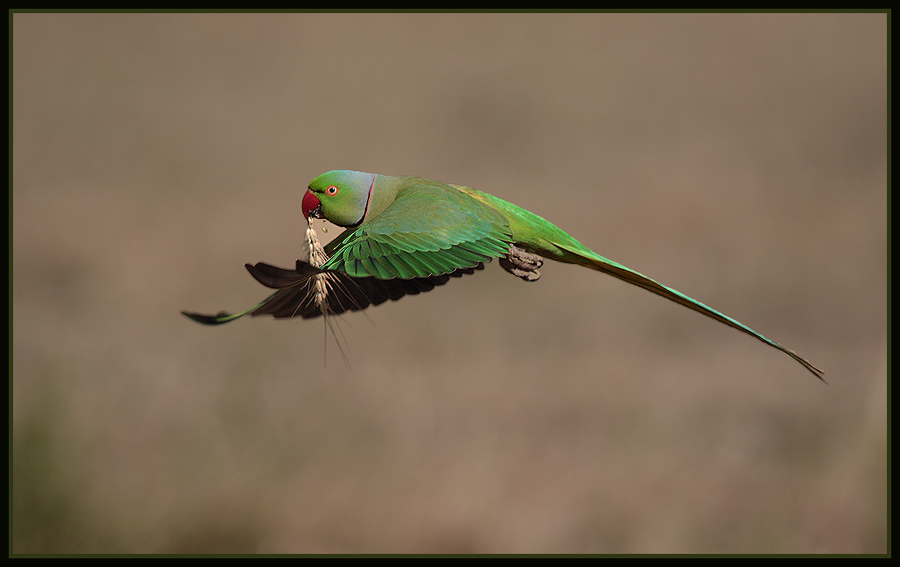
321,288
317,258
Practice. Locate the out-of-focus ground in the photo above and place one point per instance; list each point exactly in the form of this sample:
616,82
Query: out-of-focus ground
740,158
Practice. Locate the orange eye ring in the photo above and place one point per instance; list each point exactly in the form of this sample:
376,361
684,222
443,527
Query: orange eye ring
331,190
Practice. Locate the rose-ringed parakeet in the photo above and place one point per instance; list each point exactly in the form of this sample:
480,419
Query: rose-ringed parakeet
406,235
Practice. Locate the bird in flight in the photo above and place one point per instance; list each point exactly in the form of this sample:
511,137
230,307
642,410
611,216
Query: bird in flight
408,235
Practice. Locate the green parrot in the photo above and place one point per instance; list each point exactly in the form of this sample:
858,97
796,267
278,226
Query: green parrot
407,235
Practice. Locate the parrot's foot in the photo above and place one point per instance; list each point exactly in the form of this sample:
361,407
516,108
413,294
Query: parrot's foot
522,263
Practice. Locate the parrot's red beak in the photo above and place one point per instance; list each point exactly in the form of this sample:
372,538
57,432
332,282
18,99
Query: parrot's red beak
311,206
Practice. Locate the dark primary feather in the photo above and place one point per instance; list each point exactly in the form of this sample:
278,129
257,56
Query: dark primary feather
296,292
295,297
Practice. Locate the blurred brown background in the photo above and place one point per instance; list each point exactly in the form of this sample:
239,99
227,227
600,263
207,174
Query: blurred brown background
740,158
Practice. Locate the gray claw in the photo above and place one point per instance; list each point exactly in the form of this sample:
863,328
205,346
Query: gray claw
522,263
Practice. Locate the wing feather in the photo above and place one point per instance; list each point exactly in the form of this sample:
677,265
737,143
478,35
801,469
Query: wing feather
296,296
429,230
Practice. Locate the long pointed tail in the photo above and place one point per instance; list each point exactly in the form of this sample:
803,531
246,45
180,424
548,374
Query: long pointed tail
628,275
539,236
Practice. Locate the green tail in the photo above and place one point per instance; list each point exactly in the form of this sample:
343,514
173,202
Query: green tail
625,274
546,239
585,257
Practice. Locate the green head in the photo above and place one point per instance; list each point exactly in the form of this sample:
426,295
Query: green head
342,197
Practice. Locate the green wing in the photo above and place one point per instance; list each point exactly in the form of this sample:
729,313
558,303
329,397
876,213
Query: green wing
430,229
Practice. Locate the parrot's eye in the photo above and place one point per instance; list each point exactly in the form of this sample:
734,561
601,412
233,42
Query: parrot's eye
331,190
